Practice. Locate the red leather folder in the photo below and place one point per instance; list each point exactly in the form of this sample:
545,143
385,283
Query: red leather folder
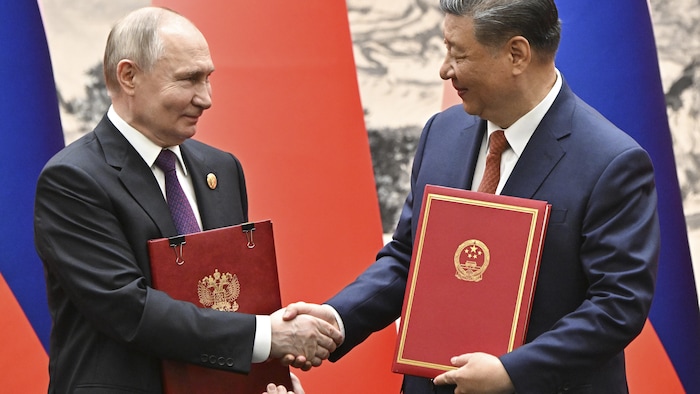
232,269
472,278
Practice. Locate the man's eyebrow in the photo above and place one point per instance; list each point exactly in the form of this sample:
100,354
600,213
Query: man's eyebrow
194,72
447,41
449,44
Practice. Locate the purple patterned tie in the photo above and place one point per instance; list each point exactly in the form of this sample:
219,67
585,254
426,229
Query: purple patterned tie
180,207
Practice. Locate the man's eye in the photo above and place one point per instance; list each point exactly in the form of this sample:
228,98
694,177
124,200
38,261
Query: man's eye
189,78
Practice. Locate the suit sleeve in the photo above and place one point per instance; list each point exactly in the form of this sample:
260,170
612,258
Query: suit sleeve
374,300
618,256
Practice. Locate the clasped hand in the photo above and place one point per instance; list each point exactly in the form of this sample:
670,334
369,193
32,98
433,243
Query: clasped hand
302,340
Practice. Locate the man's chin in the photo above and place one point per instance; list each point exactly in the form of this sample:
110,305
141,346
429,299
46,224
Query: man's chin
189,132
468,109
183,136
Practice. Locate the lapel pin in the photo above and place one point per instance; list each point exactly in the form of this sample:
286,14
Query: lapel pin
211,180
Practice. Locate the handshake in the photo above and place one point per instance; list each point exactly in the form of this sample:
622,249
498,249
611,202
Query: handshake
303,335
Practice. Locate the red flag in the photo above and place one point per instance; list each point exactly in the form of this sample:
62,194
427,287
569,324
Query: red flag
24,364
286,102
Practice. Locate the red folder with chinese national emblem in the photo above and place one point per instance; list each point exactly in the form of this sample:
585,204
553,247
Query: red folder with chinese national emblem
472,278
231,269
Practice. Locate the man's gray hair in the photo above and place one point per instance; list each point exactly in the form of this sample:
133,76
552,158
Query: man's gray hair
135,37
496,21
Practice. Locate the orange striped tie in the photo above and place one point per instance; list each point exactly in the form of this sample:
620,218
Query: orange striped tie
492,173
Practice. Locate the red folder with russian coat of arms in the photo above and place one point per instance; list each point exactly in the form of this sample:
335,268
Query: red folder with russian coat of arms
475,260
233,269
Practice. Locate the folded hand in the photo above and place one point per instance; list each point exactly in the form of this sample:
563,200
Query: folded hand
296,385
324,312
307,337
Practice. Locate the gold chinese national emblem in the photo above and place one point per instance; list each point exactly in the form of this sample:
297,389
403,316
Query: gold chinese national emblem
219,291
471,260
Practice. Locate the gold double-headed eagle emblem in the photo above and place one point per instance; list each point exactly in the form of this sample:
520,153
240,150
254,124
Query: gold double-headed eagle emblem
219,291
471,260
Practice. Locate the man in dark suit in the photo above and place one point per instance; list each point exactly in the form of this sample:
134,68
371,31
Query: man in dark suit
598,267
102,198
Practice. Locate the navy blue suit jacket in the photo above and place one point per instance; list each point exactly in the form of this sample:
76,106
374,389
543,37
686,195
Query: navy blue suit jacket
599,262
97,205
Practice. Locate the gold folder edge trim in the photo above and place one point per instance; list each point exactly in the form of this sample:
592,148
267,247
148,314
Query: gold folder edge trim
419,252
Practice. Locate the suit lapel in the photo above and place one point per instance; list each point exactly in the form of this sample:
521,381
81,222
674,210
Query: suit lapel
474,136
450,144
209,200
544,149
135,175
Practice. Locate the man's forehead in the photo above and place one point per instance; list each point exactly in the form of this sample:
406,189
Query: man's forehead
456,28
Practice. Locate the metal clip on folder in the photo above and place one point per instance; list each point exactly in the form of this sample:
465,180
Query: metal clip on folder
248,229
177,242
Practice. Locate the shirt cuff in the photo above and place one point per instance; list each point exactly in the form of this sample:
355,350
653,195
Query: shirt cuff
341,326
263,338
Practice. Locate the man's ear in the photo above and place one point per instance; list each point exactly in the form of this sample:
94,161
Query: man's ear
520,53
127,72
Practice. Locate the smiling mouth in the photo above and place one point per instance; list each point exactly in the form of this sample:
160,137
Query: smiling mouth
460,91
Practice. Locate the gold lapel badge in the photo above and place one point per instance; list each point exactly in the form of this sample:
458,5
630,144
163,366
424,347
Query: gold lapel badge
211,180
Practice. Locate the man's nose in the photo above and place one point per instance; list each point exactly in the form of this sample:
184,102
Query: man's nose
446,71
202,97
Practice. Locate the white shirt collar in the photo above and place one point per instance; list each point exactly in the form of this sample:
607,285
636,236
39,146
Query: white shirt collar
519,133
146,148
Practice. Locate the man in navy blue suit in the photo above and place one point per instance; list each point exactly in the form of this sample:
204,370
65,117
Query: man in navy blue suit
598,268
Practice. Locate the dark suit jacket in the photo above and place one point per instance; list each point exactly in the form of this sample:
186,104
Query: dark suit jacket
599,262
97,204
